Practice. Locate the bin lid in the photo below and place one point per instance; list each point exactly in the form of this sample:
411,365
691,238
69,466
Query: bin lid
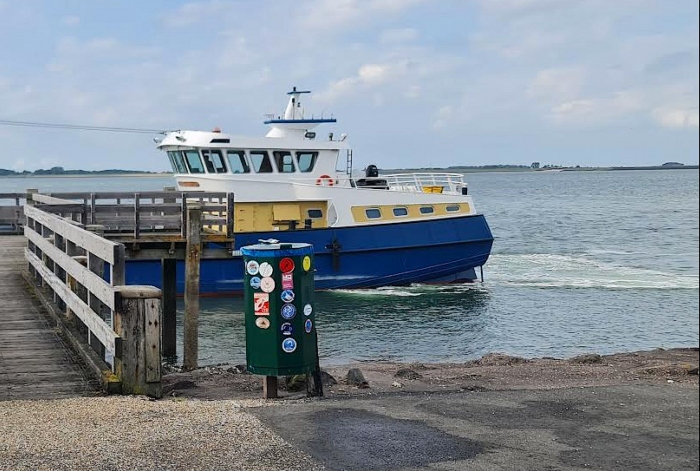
277,248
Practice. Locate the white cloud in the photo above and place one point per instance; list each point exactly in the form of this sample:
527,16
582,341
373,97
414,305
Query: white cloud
396,36
677,118
557,83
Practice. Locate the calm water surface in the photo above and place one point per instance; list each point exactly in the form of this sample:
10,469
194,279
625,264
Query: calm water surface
582,262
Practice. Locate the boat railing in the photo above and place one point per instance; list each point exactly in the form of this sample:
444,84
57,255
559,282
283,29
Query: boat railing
450,183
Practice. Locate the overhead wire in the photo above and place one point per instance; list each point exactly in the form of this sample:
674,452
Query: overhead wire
79,127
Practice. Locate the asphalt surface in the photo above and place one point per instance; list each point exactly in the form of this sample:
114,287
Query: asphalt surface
630,427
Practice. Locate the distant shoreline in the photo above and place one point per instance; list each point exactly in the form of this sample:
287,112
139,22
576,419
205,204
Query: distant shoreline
547,169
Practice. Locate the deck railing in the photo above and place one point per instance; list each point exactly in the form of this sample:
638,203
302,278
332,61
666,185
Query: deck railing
450,183
11,212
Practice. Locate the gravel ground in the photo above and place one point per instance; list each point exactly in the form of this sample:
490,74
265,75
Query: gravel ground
128,433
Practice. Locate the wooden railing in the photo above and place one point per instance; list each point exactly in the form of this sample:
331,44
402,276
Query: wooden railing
11,212
84,273
142,215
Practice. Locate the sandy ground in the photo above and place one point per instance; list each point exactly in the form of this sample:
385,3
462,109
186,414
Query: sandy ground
492,372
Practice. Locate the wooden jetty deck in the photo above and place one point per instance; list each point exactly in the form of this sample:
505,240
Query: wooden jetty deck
34,361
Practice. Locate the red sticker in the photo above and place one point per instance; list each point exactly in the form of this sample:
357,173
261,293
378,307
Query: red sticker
261,303
286,265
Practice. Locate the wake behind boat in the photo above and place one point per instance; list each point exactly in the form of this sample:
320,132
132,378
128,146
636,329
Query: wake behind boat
367,229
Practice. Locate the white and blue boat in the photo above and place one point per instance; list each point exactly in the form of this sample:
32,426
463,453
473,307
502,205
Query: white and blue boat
296,185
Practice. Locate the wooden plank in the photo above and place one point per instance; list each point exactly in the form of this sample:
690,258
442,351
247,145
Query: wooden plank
94,284
152,339
92,243
91,320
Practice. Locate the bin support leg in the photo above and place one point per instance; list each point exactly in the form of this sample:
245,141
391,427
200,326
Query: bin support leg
269,387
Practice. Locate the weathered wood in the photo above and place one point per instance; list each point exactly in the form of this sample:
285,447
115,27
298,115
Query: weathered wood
34,362
192,274
169,271
137,320
270,386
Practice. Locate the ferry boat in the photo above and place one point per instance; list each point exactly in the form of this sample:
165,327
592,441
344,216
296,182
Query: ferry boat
296,185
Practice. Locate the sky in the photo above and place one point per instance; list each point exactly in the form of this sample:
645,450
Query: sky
414,83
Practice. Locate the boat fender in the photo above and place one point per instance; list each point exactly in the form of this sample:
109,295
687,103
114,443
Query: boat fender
325,180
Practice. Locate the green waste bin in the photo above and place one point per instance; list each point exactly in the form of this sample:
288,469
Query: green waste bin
280,326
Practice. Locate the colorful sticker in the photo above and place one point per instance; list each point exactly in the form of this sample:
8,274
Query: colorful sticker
261,304
288,311
286,265
262,322
308,309
255,282
266,269
252,267
306,263
287,281
287,296
289,345
287,328
308,325
267,284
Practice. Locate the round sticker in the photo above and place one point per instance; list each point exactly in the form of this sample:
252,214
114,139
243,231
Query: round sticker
265,269
288,311
308,309
306,263
262,322
267,284
308,325
287,296
255,282
287,328
252,267
286,265
289,345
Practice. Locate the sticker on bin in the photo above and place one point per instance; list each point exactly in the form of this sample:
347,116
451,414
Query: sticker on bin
261,304
252,267
308,325
287,281
287,296
289,345
267,284
288,311
287,328
266,269
255,282
286,265
308,309
306,263
262,322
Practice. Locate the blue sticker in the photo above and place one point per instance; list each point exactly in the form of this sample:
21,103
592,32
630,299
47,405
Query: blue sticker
255,282
308,325
287,296
287,328
288,311
289,345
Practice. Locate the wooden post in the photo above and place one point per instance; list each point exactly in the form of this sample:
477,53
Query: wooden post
137,321
269,387
168,267
192,259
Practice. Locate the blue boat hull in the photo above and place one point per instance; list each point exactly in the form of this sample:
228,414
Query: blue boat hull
435,251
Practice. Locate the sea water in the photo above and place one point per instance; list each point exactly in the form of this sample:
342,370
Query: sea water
582,262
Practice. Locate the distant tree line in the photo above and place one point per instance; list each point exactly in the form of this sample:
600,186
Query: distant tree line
62,171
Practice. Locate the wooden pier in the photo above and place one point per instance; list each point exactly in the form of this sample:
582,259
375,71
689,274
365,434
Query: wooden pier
70,265
35,363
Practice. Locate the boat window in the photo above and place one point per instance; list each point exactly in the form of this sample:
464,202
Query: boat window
261,161
194,163
284,161
452,208
306,160
237,161
176,161
426,210
373,213
315,213
400,212
214,161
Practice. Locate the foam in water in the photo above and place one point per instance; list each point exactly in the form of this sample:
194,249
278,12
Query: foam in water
567,271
